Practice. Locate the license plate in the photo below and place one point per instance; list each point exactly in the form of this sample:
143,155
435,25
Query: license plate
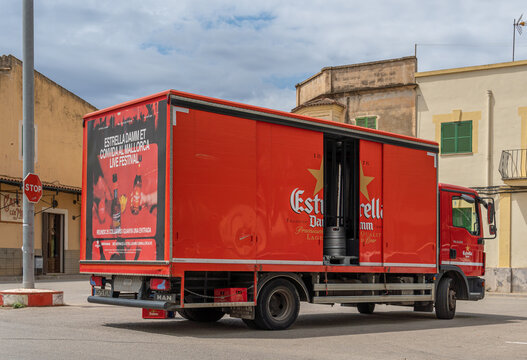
165,297
103,292
128,284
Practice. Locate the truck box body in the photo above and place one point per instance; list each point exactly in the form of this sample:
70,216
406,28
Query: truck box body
237,192
216,196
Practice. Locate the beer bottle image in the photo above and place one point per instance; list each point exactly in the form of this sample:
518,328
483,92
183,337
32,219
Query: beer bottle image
136,196
116,208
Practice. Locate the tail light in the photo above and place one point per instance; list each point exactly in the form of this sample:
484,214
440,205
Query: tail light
160,284
97,280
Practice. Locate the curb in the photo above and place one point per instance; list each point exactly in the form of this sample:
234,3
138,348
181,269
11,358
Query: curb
31,297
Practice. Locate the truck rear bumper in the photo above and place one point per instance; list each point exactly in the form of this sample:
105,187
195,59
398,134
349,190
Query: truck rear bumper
162,305
147,304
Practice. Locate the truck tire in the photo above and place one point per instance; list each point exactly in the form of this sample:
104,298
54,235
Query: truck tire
277,306
183,314
445,299
202,315
366,308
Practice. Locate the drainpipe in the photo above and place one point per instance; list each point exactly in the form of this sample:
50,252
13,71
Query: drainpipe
490,144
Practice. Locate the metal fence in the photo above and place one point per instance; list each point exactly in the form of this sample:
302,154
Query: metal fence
513,164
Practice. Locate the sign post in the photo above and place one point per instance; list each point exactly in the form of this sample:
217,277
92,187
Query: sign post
28,139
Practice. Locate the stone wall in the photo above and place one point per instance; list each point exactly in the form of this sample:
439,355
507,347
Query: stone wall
394,108
506,280
10,262
384,89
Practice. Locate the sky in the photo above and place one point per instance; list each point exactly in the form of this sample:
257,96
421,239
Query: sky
254,52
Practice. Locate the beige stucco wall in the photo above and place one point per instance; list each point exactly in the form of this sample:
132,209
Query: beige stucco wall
468,93
493,98
518,230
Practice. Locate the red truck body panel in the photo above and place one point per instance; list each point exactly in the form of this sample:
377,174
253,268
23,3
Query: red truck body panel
231,192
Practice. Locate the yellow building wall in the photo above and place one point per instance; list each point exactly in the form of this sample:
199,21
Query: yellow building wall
59,132
67,205
58,118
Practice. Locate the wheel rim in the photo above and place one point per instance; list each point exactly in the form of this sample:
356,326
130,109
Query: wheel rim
451,299
279,304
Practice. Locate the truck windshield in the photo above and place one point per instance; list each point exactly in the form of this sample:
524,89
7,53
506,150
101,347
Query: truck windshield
464,215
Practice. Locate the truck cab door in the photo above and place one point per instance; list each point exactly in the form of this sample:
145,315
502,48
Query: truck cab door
465,248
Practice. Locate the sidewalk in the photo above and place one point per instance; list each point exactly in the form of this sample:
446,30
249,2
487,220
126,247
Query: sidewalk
46,278
522,294
75,287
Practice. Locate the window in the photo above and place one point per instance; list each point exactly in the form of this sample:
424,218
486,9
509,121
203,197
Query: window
464,215
456,137
367,122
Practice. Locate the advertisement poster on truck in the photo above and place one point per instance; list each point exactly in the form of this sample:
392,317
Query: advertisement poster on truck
125,184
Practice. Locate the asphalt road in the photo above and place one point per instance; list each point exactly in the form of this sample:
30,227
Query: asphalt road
495,328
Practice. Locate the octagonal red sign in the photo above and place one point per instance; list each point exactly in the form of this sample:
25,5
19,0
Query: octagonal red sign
33,188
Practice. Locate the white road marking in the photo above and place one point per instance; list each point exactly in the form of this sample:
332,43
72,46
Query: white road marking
516,342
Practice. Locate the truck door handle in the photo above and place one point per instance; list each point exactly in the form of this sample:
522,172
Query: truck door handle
245,237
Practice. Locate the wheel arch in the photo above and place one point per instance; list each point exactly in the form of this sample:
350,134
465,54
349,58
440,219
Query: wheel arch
295,279
460,280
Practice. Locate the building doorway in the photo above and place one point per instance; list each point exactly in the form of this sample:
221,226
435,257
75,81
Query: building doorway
52,242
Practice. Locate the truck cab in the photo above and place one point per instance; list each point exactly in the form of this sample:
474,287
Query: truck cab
462,239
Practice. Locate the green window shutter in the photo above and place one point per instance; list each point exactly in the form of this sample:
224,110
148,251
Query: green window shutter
369,122
464,136
360,122
456,137
448,138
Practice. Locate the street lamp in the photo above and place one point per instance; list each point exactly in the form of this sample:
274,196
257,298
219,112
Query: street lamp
516,26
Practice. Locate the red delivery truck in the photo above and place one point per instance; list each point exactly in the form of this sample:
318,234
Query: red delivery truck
209,207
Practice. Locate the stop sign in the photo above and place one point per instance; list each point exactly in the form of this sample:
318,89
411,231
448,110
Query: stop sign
33,188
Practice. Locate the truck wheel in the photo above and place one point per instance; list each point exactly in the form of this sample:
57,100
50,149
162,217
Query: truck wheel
277,306
202,315
366,308
183,314
446,299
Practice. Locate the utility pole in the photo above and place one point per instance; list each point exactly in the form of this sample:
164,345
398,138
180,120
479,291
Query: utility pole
28,139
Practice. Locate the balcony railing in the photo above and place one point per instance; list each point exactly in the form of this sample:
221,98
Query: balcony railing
513,164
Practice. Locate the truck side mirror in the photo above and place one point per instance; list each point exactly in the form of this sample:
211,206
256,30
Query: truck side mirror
490,213
492,229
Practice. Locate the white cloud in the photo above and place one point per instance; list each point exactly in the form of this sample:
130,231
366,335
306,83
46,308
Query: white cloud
254,52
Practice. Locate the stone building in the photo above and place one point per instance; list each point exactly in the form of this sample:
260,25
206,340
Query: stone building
478,115
58,162
379,94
